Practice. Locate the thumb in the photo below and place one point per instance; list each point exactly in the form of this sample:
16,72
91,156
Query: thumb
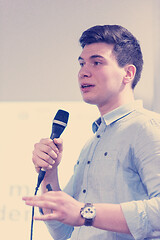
59,143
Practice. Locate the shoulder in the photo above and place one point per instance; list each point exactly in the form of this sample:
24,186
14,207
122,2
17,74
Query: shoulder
148,114
146,126
141,123
148,118
142,117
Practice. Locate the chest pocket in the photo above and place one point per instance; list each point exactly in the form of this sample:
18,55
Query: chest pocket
103,169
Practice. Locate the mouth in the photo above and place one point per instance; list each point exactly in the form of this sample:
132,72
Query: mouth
85,86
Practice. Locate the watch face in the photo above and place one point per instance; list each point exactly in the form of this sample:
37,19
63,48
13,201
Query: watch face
88,212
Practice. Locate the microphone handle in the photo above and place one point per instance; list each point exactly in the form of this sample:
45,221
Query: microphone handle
43,171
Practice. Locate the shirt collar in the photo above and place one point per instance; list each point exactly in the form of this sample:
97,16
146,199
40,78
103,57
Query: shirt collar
117,114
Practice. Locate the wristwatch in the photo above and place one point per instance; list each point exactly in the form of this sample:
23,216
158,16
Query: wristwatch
88,212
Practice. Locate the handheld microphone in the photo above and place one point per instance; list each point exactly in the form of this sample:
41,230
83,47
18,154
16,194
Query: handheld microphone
59,123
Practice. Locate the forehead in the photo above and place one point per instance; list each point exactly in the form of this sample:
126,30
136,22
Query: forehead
102,49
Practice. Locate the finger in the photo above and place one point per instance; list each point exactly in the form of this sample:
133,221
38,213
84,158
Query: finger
51,216
27,198
49,149
49,143
37,168
59,143
45,196
41,163
41,202
47,157
46,141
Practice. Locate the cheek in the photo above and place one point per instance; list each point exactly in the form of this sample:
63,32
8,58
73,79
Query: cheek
110,82
79,73
78,78
105,79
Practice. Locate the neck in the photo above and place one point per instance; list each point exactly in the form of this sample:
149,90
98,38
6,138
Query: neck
115,103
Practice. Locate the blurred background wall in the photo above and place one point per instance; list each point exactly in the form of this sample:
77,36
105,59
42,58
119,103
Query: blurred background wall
39,45
38,75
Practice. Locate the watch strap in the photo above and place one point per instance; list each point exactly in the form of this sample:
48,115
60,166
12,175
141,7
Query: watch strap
88,222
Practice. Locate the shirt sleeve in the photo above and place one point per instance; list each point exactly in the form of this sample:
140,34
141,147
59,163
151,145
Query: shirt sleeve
58,230
143,216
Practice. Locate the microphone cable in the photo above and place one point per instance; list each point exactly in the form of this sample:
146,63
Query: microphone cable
40,179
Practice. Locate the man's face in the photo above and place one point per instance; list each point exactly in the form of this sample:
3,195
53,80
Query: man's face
100,77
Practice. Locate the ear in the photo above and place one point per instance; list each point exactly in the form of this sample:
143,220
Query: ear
130,71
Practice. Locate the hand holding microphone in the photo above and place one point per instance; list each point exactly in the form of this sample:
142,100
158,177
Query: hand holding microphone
48,152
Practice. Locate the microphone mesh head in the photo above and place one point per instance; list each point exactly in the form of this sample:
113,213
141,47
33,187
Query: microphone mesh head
62,116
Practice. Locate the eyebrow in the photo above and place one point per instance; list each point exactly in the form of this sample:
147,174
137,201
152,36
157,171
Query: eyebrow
92,57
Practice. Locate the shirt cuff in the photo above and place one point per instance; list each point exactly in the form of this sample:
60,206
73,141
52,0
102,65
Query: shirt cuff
136,218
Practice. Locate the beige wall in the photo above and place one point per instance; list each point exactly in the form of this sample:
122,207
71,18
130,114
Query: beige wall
39,45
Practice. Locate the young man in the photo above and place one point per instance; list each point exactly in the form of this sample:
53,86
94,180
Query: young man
115,190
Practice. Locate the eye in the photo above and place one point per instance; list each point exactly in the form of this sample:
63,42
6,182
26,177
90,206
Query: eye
81,64
96,63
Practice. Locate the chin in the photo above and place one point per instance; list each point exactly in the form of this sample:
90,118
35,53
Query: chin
90,101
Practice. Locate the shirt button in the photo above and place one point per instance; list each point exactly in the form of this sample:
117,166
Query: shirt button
98,136
105,154
88,162
78,163
84,190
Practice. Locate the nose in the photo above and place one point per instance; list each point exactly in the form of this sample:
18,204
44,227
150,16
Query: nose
84,72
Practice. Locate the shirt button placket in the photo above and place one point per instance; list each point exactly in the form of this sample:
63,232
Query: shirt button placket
106,153
84,190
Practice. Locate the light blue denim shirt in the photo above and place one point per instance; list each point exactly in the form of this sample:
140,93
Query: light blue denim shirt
119,165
